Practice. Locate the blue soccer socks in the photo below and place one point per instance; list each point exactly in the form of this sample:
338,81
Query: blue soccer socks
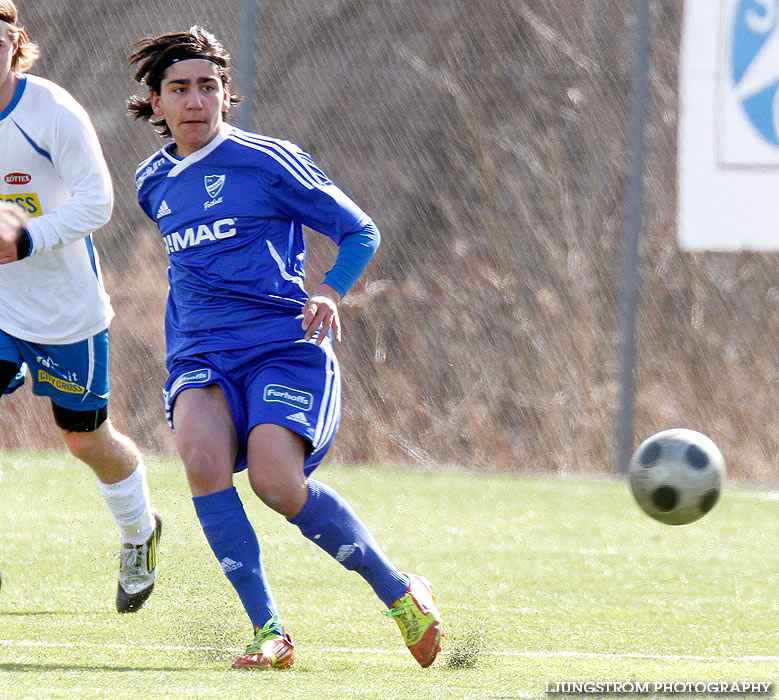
326,519
235,545
329,522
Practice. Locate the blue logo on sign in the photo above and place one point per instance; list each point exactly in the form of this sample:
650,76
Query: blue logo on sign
755,64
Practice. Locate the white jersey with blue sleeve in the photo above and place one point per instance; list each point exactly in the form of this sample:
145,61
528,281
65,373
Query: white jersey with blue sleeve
231,217
52,166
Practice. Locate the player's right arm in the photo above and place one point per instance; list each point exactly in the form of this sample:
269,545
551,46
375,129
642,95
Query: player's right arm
78,161
13,222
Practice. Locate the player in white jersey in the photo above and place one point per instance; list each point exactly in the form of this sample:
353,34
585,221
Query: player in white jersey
253,380
55,191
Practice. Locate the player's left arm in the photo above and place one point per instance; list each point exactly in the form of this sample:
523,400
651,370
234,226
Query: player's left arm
354,253
78,160
317,203
321,311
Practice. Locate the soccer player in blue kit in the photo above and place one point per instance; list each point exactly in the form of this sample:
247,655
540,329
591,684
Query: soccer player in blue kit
253,381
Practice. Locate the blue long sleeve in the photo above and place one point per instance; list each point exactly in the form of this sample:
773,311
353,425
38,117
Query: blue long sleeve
354,253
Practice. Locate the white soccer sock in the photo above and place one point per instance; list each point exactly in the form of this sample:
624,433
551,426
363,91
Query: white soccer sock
128,502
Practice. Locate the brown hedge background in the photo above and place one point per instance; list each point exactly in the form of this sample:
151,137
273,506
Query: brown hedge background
488,139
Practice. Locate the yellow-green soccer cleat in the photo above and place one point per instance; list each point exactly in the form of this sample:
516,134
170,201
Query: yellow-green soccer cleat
419,621
138,570
271,648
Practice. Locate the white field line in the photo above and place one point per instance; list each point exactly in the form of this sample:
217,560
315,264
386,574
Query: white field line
756,495
27,644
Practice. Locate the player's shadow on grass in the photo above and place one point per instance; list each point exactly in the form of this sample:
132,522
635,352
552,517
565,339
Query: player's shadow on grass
58,613
38,668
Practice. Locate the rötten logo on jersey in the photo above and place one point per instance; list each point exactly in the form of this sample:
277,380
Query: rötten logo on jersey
17,178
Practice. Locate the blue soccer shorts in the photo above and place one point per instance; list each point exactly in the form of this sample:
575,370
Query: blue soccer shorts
294,384
73,376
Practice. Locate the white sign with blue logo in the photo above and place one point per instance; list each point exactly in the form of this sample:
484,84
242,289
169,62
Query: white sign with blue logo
728,160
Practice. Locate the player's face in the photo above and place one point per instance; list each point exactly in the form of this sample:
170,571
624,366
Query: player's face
8,49
191,99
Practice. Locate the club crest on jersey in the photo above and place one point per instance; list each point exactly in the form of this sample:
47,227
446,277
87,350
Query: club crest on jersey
214,184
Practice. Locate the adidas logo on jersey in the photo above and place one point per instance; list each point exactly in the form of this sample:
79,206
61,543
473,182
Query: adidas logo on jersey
230,565
164,210
299,418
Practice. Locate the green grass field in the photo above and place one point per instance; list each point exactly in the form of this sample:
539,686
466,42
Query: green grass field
539,580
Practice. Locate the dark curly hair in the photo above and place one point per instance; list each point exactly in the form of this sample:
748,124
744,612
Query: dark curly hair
154,56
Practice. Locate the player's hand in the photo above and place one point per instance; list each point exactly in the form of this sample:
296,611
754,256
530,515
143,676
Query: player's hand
321,312
12,221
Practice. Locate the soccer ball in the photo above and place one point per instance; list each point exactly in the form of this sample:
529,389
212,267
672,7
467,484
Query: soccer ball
677,475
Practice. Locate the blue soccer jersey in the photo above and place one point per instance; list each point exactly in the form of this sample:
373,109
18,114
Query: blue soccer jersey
231,217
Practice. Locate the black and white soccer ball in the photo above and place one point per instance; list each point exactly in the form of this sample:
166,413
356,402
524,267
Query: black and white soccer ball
677,475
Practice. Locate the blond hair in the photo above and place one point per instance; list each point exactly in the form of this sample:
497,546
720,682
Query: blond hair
27,51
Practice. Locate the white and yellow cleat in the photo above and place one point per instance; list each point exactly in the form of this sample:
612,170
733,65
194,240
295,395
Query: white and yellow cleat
138,570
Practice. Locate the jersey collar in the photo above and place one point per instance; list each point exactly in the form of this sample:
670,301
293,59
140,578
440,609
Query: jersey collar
181,164
21,82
